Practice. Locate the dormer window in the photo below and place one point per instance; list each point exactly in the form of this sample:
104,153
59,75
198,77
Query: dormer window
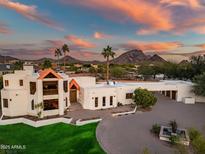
6,83
21,82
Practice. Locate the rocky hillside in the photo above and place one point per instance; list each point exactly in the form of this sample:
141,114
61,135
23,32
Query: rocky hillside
132,56
136,56
6,59
156,58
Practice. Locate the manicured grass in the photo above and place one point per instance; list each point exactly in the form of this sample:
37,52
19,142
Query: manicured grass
58,138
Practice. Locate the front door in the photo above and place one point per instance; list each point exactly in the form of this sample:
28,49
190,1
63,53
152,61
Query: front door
73,95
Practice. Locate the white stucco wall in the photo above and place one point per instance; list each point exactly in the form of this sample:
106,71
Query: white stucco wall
89,94
84,81
17,102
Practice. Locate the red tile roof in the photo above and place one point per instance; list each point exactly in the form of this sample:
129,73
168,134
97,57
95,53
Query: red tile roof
45,72
73,82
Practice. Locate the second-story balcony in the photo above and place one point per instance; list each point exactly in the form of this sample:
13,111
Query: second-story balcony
50,88
50,91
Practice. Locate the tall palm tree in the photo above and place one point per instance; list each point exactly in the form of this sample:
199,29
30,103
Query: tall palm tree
58,54
65,50
107,53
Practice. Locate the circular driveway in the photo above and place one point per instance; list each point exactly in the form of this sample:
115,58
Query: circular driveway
131,134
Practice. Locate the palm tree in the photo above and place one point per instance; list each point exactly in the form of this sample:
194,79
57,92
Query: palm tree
58,54
65,50
107,53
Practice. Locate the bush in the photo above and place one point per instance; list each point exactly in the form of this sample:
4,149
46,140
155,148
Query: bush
117,72
193,134
197,141
174,139
199,145
156,129
119,104
144,98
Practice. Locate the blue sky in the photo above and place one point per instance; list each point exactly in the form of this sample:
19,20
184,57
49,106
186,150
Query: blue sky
33,29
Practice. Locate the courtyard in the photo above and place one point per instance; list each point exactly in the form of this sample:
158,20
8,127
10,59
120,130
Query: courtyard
131,133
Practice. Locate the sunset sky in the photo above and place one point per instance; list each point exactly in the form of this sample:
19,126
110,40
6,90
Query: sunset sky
33,29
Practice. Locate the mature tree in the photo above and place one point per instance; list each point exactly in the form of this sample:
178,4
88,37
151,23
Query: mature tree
58,53
18,65
92,70
117,71
46,64
199,85
107,53
184,71
144,98
65,50
198,64
146,70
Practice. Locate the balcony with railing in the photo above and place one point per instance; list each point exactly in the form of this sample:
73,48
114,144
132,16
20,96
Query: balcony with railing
50,91
50,88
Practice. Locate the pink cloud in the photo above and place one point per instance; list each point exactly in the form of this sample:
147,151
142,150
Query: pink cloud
201,46
79,42
156,46
149,15
194,4
55,43
152,16
99,35
86,55
146,32
30,12
4,29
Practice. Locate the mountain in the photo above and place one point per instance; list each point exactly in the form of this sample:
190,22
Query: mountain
69,59
184,62
136,56
6,59
132,56
156,58
129,57
43,59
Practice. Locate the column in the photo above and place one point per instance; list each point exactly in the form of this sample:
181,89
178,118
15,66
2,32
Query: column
60,97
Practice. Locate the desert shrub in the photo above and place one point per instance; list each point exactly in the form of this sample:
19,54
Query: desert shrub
193,133
199,145
119,104
144,98
197,141
155,129
174,139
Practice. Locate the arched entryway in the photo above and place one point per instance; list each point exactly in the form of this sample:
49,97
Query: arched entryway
74,88
73,94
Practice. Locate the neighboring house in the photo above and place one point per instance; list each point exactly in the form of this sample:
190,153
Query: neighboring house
57,91
6,69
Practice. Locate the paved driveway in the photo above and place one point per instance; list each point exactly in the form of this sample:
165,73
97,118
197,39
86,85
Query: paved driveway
131,134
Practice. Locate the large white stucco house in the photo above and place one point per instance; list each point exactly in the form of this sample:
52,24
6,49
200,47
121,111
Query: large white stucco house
57,91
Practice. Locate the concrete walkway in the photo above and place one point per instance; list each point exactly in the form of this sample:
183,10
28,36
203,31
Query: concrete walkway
77,112
131,134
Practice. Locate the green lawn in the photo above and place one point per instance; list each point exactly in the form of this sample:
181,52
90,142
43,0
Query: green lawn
58,138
